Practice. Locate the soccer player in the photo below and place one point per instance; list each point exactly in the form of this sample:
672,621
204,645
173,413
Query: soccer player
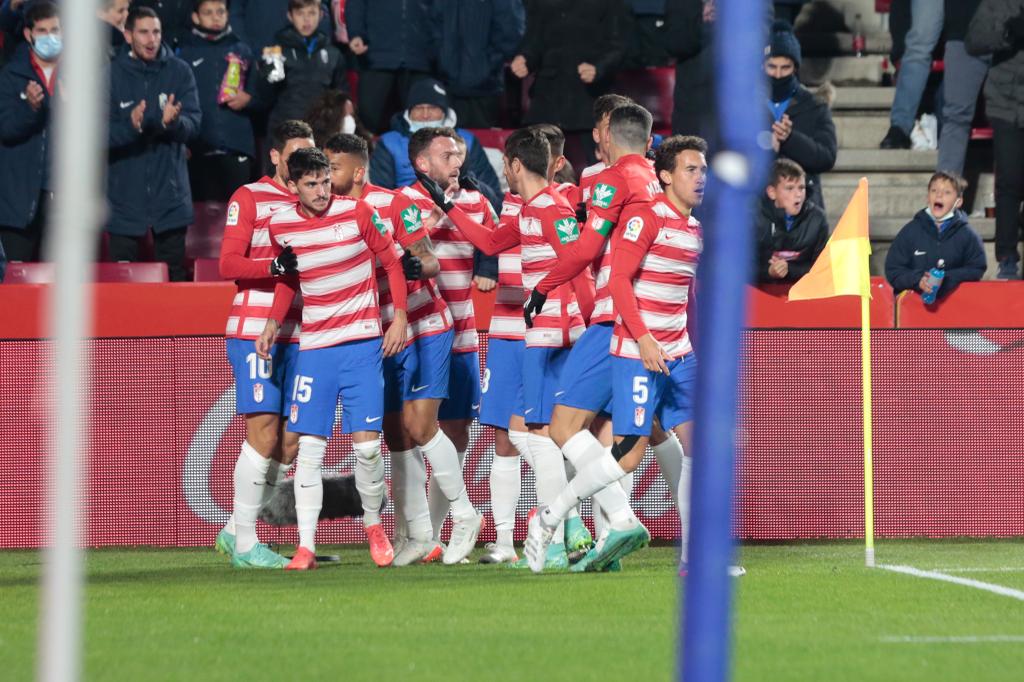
654,263
416,379
435,154
546,223
603,107
335,240
261,385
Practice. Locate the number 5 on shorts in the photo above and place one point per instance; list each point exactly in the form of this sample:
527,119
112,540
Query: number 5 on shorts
302,390
640,390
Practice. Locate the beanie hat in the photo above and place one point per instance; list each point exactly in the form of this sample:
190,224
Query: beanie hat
427,91
783,43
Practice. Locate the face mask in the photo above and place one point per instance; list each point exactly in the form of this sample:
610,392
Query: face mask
420,125
949,215
783,88
348,125
48,47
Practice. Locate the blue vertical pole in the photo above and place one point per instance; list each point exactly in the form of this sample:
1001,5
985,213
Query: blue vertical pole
737,170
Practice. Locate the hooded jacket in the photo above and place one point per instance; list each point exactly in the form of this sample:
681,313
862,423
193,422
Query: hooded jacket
987,34
147,176
310,68
24,142
812,142
800,245
920,245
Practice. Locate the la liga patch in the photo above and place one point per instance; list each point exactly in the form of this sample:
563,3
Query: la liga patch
634,226
233,210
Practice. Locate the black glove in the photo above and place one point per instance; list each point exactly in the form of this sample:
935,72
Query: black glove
533,306
412,266
436,192
469,182
286,263
1014,29
581,214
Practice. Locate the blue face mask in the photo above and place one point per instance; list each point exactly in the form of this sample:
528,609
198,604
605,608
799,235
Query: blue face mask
420,125
48,46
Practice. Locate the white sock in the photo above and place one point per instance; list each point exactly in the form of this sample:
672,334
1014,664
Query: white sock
675,467
276,475
505,483
408,485
447,469
550,474
596,478
626,483
521,442
684,507
438,503
250,484
579,451
309,488
370,479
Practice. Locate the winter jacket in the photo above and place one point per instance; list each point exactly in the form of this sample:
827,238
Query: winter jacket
475,40
689,40
812,143
175,18
147,176
3,263
390,166
398,33
1004,87
257,22
24,142
956,17
310,68
800,245
561,35
919,246
222,129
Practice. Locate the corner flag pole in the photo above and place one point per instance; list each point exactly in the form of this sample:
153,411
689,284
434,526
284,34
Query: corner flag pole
869,477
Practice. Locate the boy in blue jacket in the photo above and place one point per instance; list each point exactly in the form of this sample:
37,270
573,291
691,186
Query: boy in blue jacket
939,231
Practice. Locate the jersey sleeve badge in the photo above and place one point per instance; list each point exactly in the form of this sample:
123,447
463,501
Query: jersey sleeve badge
233,211
634,227
602,195
379,224
411,219
568,230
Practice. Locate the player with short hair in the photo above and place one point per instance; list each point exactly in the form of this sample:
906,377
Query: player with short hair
247,257
603,108
335,240
654,262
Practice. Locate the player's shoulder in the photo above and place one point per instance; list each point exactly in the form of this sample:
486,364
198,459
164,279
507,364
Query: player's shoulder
379,197
511,205
592,170
470,198
413,193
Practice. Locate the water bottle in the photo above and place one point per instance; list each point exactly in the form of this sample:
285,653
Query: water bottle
859,39
935,276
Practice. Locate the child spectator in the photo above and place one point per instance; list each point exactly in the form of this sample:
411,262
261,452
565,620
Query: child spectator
226,78
791,231
938,232
114,13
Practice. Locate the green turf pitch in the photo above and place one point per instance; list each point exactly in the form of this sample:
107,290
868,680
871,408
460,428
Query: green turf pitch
805,612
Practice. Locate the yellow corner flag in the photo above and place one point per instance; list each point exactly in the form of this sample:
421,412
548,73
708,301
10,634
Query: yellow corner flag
842,269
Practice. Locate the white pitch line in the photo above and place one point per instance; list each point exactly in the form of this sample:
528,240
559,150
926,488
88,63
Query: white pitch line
1000,569
980,639
967,582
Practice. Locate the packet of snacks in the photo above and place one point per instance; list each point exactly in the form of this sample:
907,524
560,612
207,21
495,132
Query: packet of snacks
234,78
274,57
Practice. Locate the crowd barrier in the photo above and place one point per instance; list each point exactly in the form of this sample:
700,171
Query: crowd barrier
948,420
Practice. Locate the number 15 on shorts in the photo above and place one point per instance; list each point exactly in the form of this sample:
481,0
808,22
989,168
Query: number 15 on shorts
302,389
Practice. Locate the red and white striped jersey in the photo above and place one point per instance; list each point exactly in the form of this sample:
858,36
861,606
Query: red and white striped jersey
659,248
455,254
629,180
507,318
427,312
246,237
587,178
336,268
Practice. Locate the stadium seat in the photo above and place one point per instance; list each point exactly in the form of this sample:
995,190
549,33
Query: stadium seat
206,270
29,273
131,272
205,234
652,88
493,138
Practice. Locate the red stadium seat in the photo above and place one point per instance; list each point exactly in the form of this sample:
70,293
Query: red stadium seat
205,235
29,273
207,270
652,88
492,137
131,272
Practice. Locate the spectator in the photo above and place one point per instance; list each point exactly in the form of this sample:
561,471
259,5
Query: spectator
475,40
311,63
395,45
961,84
154,113
334,112
938,232
257,22
791,231
27,87
802,129
428,108
12,24
925,28
998,28
114,13
228,83
647,44
175,18
573,48
689,30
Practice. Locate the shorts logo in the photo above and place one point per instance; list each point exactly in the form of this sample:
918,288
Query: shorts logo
294,416
411,219
379,224
233,213
633,228
603,195
568,230
638,416
257,392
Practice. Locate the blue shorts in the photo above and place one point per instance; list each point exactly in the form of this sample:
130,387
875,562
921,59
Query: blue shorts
350,370
642,395
502,390
262,385
419,372
542,369
463,400
586,381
